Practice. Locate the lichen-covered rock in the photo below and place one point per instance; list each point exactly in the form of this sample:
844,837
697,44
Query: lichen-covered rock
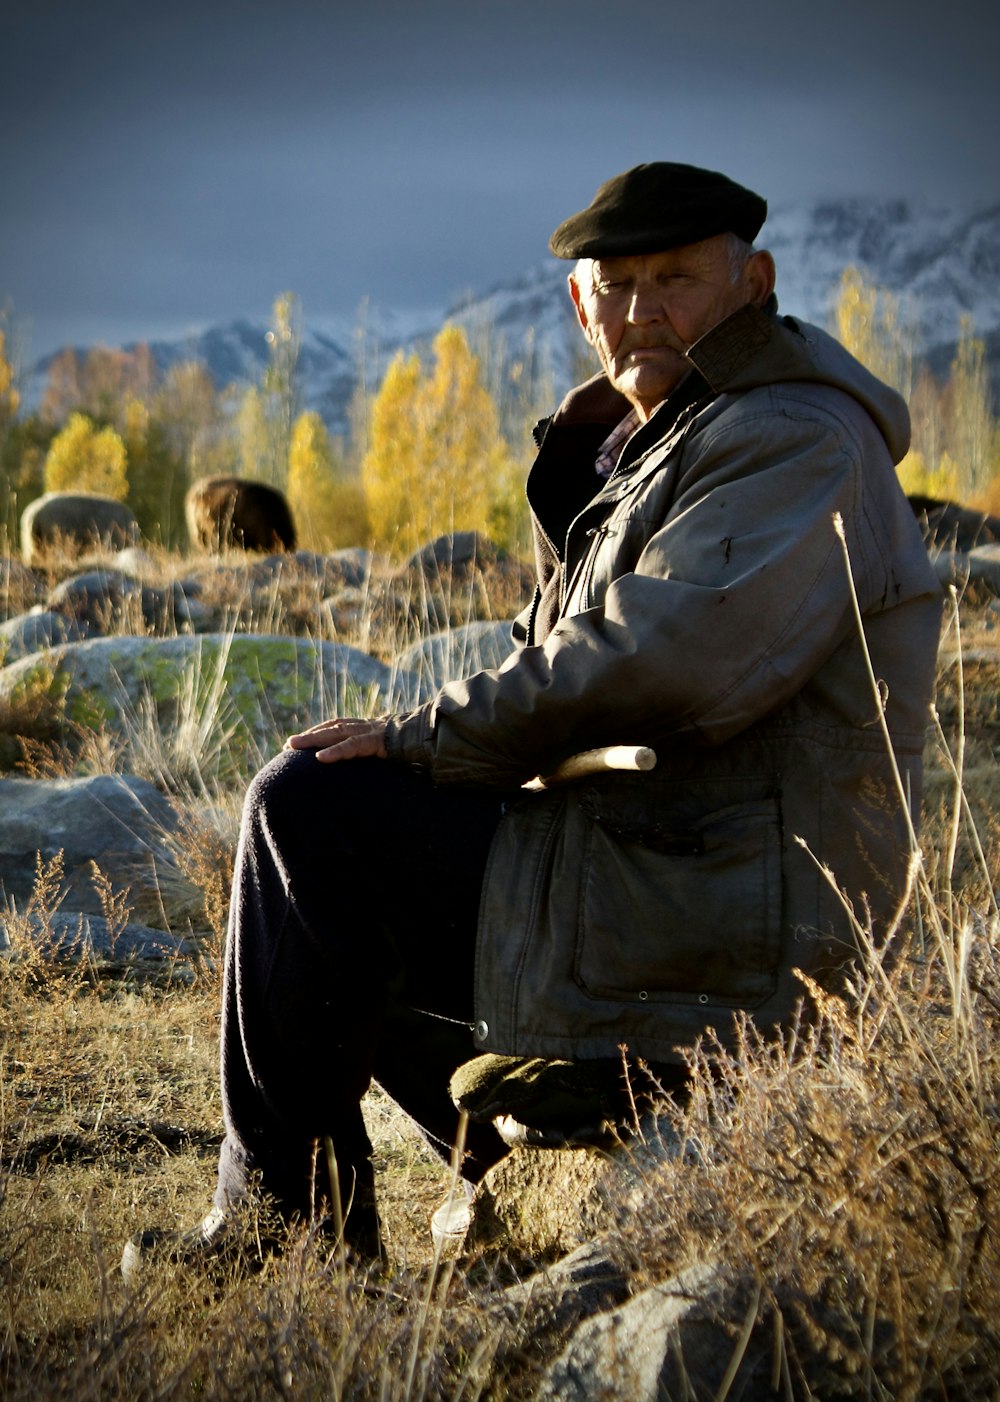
259,688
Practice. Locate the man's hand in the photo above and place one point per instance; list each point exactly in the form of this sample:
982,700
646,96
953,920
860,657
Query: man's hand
342,739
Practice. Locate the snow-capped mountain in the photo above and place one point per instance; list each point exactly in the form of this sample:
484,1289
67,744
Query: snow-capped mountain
940,264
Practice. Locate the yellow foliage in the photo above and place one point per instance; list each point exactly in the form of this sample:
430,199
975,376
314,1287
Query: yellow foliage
956,441
10,399
436,459
917,479
973,429
83,458
868,324
328,505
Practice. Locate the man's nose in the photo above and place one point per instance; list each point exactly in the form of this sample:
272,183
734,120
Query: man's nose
646,306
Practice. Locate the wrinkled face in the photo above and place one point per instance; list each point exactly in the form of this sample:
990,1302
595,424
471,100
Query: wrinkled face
642,312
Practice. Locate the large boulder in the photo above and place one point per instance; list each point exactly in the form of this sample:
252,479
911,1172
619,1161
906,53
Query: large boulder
77,522
119,822
251,689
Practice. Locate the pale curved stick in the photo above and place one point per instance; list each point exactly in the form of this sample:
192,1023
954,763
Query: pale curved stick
620,757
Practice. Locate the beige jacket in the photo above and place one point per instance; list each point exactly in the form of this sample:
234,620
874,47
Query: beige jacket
699,603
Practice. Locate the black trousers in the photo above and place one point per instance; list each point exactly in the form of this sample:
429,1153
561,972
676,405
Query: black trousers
350,957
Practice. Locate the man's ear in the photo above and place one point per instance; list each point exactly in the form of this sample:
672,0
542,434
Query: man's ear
576,294
759,275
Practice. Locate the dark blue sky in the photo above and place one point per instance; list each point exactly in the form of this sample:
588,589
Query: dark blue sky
165,167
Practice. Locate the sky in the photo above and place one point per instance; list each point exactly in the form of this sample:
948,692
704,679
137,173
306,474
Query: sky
172,166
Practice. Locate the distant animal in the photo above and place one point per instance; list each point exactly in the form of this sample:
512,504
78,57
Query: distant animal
947,525
77,522
231,512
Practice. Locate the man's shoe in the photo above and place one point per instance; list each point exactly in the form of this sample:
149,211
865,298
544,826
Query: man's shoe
222,1237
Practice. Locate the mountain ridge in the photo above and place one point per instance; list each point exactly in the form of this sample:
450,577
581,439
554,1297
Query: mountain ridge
940,264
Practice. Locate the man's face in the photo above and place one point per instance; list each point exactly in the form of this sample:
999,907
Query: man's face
642,312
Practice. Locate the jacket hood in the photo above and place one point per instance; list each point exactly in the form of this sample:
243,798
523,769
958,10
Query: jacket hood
753,348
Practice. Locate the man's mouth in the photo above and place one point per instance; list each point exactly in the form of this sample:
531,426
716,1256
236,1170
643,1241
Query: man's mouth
649,351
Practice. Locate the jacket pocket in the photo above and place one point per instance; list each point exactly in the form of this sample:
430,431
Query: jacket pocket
691,914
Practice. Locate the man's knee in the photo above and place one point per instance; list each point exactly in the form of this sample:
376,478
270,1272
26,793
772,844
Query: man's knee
295,794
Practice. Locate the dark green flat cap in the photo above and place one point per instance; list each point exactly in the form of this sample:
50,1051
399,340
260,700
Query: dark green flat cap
656,206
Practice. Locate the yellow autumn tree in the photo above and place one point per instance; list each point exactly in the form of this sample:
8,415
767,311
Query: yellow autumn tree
436,458
972,428
954,450
10,397
84,458
327,503
868,324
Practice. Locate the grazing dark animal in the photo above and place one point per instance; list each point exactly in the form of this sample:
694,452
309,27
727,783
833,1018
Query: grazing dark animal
76,521
947,525
228,512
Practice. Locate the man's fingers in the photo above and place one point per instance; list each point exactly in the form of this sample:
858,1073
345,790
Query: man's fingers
342,739
325,733
364,746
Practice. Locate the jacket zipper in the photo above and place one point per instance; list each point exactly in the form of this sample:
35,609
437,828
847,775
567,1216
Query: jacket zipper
589,558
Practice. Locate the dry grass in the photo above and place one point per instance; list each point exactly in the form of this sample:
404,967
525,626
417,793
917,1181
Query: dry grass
848,1181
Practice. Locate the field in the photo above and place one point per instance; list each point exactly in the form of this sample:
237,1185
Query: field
841,1192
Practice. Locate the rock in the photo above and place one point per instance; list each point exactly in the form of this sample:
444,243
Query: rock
267,572
166,609
96,600
545,1202
68,935
353,566
137,561
119,822
575,1286
78,521
20,587
984,566
656,1344
540,1203
104,599
949,525
951,567
261,687
457,653
458,551
962,568
32,632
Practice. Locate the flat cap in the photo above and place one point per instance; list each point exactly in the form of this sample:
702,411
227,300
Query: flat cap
656,206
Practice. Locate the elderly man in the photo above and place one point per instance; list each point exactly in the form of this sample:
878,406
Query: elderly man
405,910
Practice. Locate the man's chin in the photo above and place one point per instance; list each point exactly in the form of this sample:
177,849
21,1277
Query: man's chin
650,382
